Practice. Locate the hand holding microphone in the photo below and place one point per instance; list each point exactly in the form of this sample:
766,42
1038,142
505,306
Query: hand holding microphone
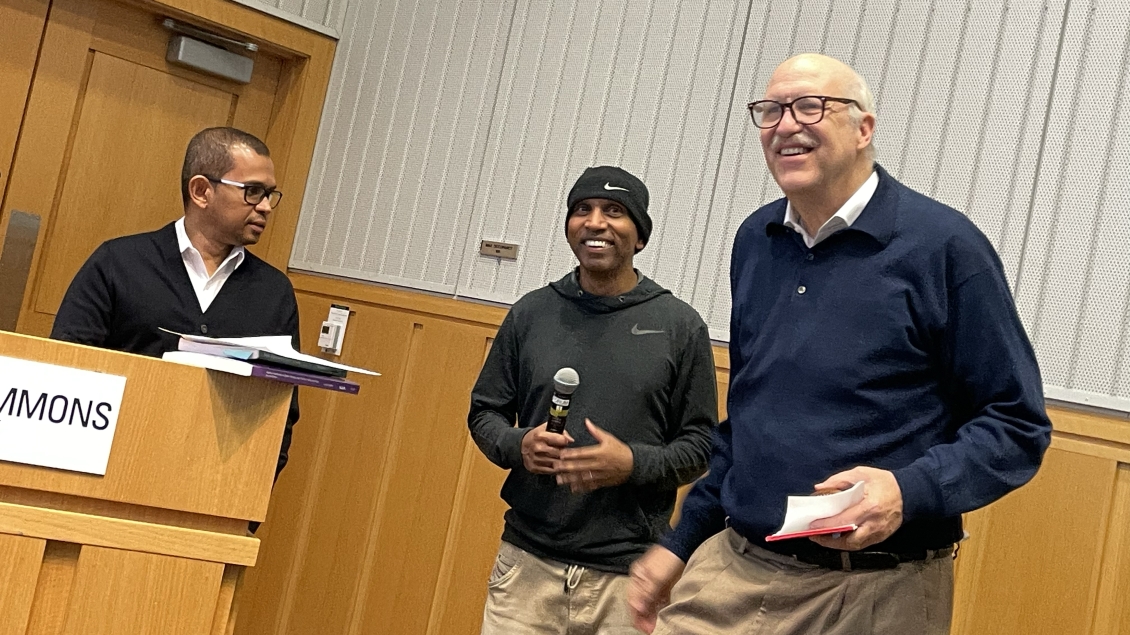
565,382
605,464
541,447
545,448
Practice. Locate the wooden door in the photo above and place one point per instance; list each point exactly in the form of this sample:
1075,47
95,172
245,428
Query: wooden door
103,138
21,27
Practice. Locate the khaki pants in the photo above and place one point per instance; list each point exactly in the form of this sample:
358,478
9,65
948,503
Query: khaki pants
527,595
732,587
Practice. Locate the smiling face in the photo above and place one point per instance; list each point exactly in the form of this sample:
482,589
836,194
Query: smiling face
603,237
824,158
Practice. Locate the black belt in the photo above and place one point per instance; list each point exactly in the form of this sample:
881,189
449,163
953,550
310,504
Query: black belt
853,560
856,560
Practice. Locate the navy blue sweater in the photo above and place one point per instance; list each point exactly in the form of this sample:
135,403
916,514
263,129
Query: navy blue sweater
893,344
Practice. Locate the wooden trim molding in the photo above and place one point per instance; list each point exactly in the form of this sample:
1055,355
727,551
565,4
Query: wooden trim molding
423,303
1114,427
131,535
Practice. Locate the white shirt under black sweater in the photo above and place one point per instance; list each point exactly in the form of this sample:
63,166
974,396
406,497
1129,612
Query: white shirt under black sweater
134,285
647,377
207,285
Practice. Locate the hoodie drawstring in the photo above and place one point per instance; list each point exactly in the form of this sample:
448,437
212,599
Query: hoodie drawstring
573,575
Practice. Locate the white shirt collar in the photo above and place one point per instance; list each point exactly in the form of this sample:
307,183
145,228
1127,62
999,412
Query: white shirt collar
844,217
207,286
184,245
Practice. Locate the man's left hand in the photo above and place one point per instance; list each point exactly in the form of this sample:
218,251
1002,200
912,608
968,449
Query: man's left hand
605,464
878,515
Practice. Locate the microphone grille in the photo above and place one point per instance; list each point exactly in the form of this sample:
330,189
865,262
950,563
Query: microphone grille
566,380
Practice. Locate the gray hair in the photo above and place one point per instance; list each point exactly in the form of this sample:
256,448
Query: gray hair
856,88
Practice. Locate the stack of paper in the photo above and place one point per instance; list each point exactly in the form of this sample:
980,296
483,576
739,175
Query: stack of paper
269,357
801,511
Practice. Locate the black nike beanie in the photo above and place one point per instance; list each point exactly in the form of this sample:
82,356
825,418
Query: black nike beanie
616,184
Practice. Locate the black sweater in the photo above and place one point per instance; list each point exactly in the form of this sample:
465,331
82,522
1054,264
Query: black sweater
133,285
647,377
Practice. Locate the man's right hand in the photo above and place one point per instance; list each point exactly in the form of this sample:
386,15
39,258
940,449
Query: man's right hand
653,576
541,449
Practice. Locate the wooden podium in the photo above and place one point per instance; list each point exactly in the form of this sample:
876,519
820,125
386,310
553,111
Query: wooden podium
157,545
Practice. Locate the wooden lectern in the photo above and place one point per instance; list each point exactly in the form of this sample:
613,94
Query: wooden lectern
157,545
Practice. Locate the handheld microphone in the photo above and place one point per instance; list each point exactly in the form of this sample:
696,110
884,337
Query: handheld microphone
564,383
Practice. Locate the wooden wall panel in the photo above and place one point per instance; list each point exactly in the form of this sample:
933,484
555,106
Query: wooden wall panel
313,548
50,587
20,561
1045,534
388,518
358,537
21,27
475,529
116,591
53,589
429,435
1112,606
225,612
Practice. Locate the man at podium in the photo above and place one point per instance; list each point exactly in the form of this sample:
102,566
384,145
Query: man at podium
193,275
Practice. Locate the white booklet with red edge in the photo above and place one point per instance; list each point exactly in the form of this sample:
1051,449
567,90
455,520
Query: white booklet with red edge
802,511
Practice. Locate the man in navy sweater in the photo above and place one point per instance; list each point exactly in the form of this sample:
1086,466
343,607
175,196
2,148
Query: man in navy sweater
192,275
873,339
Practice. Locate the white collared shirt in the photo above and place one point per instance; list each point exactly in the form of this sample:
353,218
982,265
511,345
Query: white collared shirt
207,287
844,217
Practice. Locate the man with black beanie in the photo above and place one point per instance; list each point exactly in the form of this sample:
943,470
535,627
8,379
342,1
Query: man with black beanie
584,504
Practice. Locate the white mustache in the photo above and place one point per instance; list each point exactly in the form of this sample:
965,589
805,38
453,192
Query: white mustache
801,137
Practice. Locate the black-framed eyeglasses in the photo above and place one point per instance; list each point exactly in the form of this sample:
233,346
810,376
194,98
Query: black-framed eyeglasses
806,110
253,193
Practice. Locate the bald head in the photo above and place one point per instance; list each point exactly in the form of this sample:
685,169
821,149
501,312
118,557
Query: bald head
837,75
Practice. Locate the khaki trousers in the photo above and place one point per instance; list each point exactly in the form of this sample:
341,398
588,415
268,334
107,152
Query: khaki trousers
528,595
733,587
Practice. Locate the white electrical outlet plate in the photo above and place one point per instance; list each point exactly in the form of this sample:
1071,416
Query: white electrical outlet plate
327,337
332,334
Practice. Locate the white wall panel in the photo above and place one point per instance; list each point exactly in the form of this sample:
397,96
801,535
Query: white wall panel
401,140
644,84
453,121
961,88
1074,287
324,16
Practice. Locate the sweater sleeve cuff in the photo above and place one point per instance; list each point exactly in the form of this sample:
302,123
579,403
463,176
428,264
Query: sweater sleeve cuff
921,496
645,461
510,446
680,543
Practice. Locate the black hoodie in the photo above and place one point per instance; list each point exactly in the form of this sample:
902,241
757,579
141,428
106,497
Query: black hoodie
647,377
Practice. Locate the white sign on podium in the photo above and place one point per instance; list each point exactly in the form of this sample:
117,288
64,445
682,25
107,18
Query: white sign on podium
56,416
